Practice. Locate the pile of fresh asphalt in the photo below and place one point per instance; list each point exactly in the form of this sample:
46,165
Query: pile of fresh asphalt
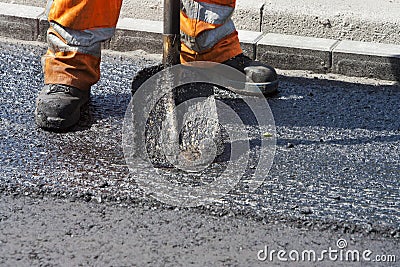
336,167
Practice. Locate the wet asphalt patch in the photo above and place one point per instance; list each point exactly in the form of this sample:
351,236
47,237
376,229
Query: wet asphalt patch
337,162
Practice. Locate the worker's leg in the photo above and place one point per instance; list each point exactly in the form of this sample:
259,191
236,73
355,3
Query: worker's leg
72,63
76,31
208,34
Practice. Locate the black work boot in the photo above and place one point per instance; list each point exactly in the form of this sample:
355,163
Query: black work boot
58,107
258,75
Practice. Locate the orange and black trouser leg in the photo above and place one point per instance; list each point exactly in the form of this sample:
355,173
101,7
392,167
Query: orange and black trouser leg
76,31
207,30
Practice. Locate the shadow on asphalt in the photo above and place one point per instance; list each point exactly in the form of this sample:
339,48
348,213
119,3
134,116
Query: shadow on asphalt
395,63
102,107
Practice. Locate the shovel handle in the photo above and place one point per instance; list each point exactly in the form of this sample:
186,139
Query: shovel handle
171,36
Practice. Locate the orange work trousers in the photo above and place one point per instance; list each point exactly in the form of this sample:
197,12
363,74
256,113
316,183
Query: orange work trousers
77,29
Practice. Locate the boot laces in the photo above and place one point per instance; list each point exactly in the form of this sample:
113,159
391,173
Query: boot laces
57,88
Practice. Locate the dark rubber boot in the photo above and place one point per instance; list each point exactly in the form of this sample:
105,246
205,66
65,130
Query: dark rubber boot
258,75
58,107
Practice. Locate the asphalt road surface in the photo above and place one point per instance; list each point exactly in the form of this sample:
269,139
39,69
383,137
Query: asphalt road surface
69,199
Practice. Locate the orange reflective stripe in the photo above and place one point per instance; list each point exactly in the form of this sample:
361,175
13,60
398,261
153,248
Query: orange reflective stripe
193,27
225,49
71,68
85,14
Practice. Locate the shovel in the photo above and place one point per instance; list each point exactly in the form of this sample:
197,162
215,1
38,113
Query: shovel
171,57
171,44
171,36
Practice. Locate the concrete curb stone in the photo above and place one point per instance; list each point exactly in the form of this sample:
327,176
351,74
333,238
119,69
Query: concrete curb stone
133,34
363,59
19,21
296,52
43,25
248,41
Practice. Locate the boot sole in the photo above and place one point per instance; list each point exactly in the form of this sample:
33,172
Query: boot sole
254,89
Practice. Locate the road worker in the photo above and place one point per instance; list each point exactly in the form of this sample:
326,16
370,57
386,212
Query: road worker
77,28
